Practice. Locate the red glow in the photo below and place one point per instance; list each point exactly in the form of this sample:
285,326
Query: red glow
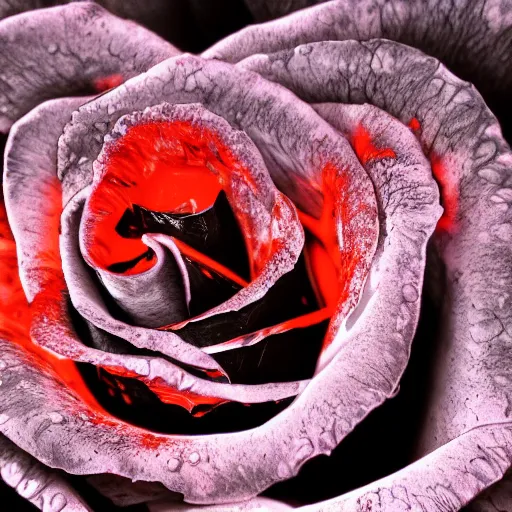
16,316
414,125
162,166
107,82
366,150
449,195
208,263
324,272
298,322
170,395
322,252
334,266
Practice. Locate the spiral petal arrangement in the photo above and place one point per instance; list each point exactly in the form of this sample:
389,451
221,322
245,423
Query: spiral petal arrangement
213,266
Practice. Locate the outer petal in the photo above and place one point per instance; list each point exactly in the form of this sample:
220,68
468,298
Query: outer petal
471,37
64,50
362,374
42,486
472,162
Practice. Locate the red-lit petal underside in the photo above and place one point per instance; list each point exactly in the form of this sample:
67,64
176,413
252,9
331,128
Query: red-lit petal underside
63,50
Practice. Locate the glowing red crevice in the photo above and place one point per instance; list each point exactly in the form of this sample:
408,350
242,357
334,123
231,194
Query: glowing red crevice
16,316
449,191
108,82
365,149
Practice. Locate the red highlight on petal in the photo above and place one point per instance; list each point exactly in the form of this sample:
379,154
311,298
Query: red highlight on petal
16,317
107,82
414,125
449,195
366,150
171,167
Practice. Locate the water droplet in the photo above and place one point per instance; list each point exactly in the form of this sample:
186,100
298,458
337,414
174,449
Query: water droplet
283,470
173,464
58,503
410,293
55,417
194,458
52,48
27,488
3,365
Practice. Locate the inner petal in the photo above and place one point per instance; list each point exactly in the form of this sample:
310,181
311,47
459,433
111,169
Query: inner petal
168,167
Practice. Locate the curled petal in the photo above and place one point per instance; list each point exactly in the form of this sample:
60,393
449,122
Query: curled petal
157,296
446,479
41,486
472,163
481,30
81,46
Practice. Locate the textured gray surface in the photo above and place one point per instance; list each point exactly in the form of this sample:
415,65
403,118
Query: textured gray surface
63,50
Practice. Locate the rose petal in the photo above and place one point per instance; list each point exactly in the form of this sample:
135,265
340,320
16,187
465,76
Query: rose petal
480,30
61,50
472,163
41,486
157,296
297,147
28,174
88,301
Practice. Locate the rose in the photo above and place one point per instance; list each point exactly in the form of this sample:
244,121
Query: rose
362,367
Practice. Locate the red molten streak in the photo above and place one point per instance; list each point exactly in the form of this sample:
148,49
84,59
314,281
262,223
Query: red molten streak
365,149
16,318
448,188
163,166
